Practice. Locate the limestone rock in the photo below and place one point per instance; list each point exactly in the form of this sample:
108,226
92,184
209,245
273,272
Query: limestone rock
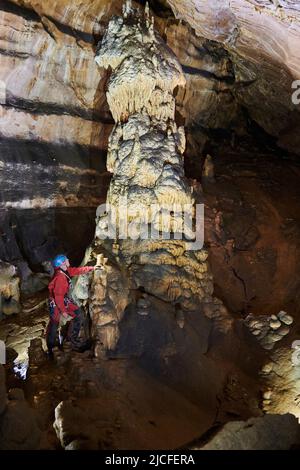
9,289
267,394
268,330
242,27
70,422
148,189
285,318
283,379
36,354
275,324
180,318
144,154
270,432
267,368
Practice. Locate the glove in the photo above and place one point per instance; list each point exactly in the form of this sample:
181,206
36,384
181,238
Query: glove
64,319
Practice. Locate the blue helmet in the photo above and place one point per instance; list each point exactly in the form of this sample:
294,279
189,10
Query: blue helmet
59,260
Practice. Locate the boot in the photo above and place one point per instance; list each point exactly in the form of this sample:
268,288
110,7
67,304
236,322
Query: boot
50,355
82,346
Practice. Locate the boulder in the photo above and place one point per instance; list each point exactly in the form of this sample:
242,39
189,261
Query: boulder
270,432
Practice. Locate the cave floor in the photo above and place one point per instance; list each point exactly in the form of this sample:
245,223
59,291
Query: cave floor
111,404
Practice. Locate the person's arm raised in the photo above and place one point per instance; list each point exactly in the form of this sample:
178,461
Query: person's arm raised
81,270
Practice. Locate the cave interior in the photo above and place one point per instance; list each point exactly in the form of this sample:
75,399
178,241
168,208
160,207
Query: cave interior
166,100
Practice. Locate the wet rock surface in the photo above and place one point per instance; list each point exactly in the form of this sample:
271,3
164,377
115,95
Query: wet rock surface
252,226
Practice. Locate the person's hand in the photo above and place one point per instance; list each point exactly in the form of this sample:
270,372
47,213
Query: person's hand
64,319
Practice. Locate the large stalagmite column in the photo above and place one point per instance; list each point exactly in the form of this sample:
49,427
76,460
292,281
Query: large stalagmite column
145,156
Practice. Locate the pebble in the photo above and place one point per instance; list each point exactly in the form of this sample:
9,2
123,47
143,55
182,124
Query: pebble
253,324
275,324
287,319
273,317
283,331
256,332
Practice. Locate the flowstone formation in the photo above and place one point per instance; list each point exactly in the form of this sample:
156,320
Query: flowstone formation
149,229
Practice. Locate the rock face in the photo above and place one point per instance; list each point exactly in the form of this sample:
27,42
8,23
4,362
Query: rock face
55,120
270,432
252,227
51,134
244,28
9,289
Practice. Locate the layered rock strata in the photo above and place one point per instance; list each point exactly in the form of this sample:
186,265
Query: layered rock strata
262,38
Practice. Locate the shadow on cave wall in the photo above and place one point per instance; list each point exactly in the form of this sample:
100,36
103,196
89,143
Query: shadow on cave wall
35,171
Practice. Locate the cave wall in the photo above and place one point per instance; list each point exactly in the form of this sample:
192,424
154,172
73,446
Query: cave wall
54,120
262,38
239,60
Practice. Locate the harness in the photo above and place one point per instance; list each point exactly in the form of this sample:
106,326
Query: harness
67,300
